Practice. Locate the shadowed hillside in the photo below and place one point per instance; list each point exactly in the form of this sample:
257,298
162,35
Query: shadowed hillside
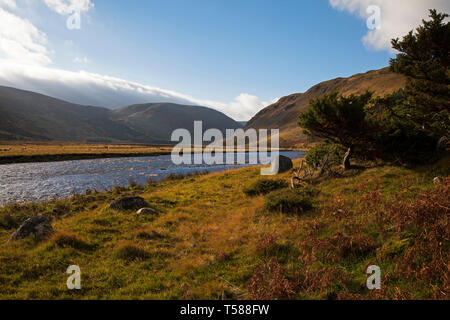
284,113
160,119
27,115
30,116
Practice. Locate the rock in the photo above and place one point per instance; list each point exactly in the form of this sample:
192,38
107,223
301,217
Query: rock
437,180
284,164
147,211
37,226
128,203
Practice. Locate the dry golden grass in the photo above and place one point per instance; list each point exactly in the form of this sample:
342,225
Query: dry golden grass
210,241
26,149
42,152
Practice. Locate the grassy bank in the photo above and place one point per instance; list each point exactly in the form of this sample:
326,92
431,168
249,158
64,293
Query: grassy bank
211,241
41,152
32,152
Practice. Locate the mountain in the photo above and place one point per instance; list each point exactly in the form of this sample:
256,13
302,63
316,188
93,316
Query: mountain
159,120
31,116
284,113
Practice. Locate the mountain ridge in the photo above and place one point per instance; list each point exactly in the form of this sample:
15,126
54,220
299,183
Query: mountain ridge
32,116
160,119
283,114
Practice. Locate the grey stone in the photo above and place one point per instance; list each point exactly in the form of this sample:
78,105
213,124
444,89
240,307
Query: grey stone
37,226
128,203
285,163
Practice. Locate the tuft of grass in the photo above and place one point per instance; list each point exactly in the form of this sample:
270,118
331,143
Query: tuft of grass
287,201
131,252
181,176
9,221
13,215
70,240
265,186
149,235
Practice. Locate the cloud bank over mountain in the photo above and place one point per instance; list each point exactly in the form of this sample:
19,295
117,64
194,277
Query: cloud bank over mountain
87,88
398,17
25,63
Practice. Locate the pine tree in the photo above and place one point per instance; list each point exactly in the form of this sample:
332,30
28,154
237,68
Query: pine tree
341,120
424,59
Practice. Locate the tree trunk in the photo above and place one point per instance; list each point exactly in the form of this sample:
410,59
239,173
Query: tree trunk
346,162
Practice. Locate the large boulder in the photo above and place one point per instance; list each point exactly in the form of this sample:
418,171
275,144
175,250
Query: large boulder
128,203
284,163
37,226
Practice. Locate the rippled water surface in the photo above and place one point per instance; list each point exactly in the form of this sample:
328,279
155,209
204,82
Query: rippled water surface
35,182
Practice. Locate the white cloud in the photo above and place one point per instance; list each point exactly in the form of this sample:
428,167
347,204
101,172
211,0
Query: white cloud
99,90
69,43
245,106
24,64
21,41
398,17
66,7
8,3
81,60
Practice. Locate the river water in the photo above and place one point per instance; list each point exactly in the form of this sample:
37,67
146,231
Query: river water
37,182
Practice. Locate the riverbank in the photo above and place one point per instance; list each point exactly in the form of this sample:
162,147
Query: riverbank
41,152
210,240
37,182
31,152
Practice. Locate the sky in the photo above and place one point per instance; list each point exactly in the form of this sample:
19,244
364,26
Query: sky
236,56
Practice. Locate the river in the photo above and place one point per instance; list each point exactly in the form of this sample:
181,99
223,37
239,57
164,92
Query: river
38,182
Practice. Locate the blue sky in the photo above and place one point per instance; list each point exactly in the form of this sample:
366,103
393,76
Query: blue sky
210,52
218,49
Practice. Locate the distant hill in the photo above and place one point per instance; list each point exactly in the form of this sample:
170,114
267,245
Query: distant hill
27,115
284,113
158,120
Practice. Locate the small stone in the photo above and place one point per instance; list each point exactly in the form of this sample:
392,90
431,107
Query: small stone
128,203
281,164
37,226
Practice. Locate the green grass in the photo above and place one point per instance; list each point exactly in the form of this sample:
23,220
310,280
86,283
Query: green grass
288,201
265,186
208,238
